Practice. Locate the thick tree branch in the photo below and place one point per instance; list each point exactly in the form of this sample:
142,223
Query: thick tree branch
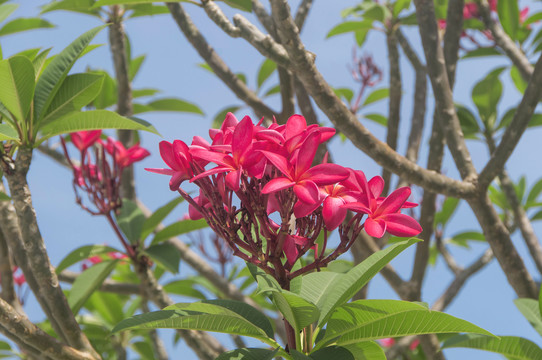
515,130
6,274
117,42
436,68
394,103
505,42
36,254
28,334
452,36
498,238
218,66
347,123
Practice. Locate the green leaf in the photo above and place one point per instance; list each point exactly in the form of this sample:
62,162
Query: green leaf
366,350
54,74
345,93
467,120
24,24
93,120
108,95
296,310
480,52
248,354
514,348
266,69
508,12
179,228
204,316
6,10
147,10
377,95
82,253
144,92
245,5
8,133
399,6
4,197
272,91
531,311
130,220
165,254
469,235
329,290
377,118
486,95
518,80
101,3
109,306
364,320
88,282
158,216
176,105
77,90
135,65
349,26
80,6
39,62
448,208
535,191
18,81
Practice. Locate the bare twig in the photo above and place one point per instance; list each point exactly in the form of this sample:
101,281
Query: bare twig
452,36
302,12
216,63
6,274
515,130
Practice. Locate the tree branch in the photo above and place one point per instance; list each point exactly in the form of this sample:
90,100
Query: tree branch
28,334
199,43
347,123
505,42
515,130
437,71
302,12
117,39
6,274
36,255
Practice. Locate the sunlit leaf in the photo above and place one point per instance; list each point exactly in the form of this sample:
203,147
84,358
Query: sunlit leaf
514,348
82,253
165,254
18,81
24,24
130,220
158,216
179,228
88,282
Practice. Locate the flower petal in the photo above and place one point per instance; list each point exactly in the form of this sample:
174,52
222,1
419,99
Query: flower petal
242,137
279,162
401,225
276,185
333,213
302,209
393,202
295,125
376,186
325,174
233,178
307,191
306,154
375,228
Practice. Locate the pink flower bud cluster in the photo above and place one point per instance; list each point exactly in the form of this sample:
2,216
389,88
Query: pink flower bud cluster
93,260
99,169
259,191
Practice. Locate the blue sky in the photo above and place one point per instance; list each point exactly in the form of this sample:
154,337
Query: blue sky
171,66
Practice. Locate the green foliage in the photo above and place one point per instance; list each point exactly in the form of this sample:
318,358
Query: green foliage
248,354
266,69
152,222
486,95
350,26
130,220
165,254
18,81
82,253
178,228
512,347
509,17
376,95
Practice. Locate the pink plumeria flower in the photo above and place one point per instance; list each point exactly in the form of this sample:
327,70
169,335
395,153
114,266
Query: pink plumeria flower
178,158
125,157
387,342
85,139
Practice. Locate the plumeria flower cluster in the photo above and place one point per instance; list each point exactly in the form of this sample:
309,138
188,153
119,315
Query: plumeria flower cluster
99,169
261,193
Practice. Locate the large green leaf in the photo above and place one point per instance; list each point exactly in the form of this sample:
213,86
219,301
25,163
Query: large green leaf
93,120
165,254
514,348
158,216
88,282
24,24
448,208
245,5
100,3
508,12
185,287
296,310
530,309
17,90
179,228
201,316
77,90
349,26
328,290
82,253
377,95
130,220
54,74
248,354
171,104
39,62
364,320
366,350
8,133
80,6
